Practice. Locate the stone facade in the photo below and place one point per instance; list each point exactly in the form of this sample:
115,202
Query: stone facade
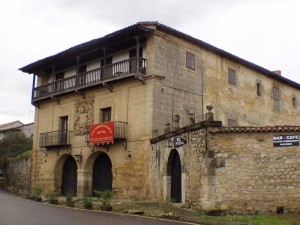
232,170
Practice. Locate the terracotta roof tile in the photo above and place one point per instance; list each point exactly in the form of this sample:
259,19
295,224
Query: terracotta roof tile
253,129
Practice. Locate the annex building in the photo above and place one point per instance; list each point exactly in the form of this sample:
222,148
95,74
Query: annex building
104,109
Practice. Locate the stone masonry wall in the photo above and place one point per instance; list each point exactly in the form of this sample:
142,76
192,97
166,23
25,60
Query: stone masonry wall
229,171
252,176
18,174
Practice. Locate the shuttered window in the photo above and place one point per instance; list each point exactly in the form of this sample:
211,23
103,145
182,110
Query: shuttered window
190,60
231,76
276,93
276,97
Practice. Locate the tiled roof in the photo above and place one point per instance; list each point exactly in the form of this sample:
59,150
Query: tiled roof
10,125
214,130
143,28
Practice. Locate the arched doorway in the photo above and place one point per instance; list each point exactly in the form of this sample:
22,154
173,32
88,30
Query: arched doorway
102,174
174,171
69,177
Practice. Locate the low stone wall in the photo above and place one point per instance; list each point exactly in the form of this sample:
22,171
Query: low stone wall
231,170
249,175
18,174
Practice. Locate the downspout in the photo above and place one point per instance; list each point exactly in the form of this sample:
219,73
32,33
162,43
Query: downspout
53,76
137,55
77,71
33,86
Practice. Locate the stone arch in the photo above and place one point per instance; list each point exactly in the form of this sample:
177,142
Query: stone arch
174,187
59,169
174,173
97,157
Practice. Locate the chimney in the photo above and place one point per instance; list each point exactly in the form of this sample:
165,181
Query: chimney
278,72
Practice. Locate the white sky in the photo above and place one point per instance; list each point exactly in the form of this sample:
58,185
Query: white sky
264,32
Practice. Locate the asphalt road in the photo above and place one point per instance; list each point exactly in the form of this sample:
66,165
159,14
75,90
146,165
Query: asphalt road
18,211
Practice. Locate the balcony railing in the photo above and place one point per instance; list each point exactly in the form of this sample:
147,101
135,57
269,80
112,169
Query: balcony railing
91,78
55,139
119,131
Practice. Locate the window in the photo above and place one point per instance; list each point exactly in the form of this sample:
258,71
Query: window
295,102
105,115
59,76
259,88
63,129
276,93
276,97
231,76
82,69
190,60
59,82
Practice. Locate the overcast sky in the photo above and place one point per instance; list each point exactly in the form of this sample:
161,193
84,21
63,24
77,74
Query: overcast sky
264,32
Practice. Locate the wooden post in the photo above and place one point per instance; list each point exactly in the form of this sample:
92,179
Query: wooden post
137,55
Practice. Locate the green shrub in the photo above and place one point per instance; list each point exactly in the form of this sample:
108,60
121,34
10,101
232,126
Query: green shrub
69,199
105,198
87,202
53,197
165,204
36,194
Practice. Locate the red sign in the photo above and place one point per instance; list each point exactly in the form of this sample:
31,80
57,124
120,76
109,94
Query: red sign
102,133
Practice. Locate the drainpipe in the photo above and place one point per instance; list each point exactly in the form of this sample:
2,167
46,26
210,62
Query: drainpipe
33,86
77,71
52,86
137,55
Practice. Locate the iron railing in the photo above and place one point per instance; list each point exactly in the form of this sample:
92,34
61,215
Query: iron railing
55,139
119,131
90,78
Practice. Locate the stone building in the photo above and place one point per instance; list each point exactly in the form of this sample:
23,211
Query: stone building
132,85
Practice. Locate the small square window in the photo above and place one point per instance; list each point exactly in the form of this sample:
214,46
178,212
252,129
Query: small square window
190,60
231,76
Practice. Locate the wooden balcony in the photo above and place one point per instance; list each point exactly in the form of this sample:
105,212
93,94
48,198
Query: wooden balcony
103,75
55,139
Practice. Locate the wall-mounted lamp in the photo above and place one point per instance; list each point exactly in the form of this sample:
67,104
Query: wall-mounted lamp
169,143
78,157
129,156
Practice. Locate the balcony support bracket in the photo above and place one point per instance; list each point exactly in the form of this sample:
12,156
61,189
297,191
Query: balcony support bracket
56,99
81,93
92,147
141,78
108,86
44,151
57,152
124,143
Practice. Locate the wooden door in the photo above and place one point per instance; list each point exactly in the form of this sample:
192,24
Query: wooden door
69,177
176,178
102,174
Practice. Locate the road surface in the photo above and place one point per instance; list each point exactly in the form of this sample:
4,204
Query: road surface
18,211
